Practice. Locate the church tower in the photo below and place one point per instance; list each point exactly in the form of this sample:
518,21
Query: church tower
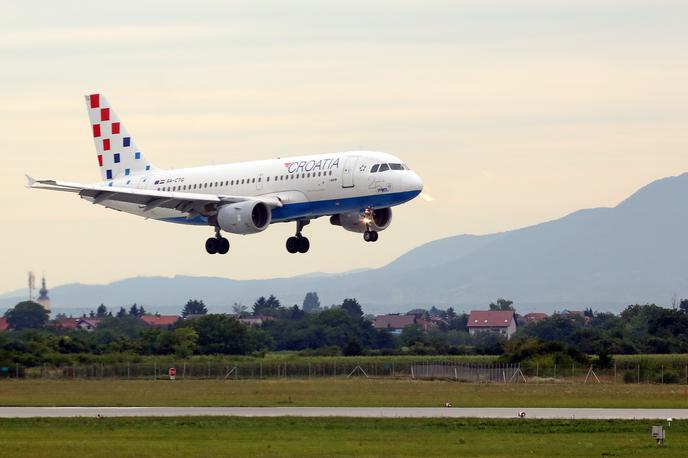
43,298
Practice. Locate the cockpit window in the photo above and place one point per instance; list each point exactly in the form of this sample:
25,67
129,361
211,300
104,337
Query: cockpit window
384,167
373,169
396,166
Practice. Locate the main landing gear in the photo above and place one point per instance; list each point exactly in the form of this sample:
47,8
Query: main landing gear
217,244
298,243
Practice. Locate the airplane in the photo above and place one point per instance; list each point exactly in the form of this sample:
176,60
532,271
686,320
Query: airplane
356,189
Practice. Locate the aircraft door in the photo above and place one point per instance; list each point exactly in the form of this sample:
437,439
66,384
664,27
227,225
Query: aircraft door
259,182
348,171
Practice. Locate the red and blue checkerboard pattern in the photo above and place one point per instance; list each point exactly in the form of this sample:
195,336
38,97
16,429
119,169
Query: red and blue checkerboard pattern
117,153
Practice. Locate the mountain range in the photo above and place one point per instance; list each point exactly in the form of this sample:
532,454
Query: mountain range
603,258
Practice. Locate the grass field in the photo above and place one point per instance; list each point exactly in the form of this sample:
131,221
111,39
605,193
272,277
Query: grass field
212,436
335,392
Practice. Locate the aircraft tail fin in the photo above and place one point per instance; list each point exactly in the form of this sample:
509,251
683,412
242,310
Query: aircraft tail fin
118,155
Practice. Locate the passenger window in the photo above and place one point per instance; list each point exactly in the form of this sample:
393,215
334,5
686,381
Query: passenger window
374,168
384,167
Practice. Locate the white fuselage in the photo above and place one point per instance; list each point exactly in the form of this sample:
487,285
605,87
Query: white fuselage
306,186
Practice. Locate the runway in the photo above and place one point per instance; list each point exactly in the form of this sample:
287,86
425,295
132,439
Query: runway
360,412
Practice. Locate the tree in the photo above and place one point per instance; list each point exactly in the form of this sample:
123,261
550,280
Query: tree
27,315
267,306
273,302
503,305
259,306
683,306
239,310
311,303
352,307
134,310
122,312
222,334
194,307
352,348
101,311
184,342
295,313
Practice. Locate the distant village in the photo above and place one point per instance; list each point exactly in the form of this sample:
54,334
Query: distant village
502,322
31,336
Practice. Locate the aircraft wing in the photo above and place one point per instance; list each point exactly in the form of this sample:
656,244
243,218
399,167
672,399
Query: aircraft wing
192,203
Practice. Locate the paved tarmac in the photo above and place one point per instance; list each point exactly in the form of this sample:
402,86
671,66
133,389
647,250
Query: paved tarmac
361,412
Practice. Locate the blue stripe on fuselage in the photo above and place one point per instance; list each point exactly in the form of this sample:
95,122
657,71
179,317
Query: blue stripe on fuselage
334,206
321,207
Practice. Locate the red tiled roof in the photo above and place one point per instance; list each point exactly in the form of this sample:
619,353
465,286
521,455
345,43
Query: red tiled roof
535,317
3,324
490,319
400,321
68,323
94,322
73,323
159,320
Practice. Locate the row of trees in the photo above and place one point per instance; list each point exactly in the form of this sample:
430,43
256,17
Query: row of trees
339,329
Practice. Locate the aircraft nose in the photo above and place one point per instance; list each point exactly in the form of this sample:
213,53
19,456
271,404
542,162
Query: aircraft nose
413,182
418,182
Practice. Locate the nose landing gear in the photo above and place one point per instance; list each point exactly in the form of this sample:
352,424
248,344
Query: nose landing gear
370,236
298,243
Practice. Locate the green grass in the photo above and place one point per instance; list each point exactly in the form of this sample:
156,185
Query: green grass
335,392
237,437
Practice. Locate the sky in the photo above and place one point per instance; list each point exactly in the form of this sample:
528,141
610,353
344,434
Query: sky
512,112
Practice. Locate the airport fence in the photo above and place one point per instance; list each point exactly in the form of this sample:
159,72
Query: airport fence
622,372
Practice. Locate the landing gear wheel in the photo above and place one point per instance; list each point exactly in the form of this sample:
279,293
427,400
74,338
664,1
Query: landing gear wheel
223,245
212,245
370,236
293,245
304,244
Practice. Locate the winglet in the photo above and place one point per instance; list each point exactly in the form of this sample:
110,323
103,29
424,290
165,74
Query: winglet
29,181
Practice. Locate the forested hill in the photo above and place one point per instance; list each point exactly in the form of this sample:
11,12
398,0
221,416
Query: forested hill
603,258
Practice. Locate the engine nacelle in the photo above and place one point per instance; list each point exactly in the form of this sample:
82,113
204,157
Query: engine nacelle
379,220
247,217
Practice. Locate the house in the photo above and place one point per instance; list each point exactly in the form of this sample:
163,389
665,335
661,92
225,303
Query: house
534,317
85,324
503,322
575,315
158,320
395,322
255,321
3,324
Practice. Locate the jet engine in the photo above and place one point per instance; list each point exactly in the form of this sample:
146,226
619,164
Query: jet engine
247,217
376,220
